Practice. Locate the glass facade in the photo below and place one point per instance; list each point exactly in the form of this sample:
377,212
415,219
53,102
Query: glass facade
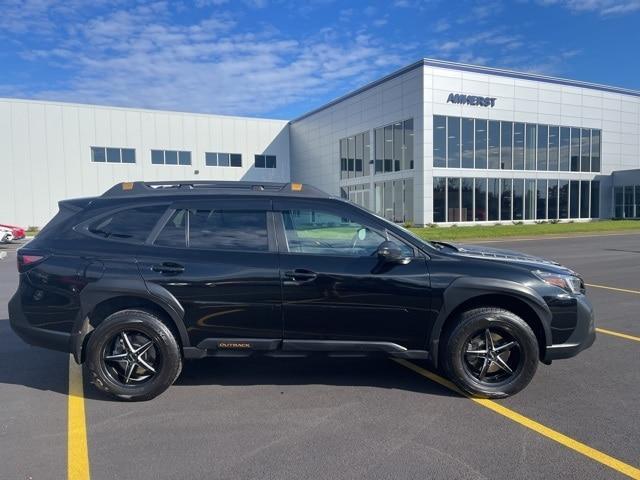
504,199
394,147
359,194
355,155
475,143
393,199
626,201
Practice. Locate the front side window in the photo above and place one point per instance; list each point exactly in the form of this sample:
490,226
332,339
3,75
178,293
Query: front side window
211,229
322,233
132,224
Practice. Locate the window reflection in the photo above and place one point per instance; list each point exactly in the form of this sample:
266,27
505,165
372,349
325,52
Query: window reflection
493,198
467,200
504,199
481,144
506,160
518,146
543,132
453,200
541,203
467,142
554,139
453,142
480,199
505,196
553,200
494,144
476,143
439,141
518,199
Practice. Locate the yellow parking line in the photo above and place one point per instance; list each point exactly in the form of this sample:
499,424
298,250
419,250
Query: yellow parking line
554,435
77,452
617,334
637,292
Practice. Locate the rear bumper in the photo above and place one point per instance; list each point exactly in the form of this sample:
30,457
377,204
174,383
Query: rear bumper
39,337
582,337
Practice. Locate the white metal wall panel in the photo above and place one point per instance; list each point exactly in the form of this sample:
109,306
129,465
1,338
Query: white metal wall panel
46,154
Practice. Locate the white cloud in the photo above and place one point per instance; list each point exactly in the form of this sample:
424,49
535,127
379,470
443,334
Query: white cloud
602,7
441,25
138,56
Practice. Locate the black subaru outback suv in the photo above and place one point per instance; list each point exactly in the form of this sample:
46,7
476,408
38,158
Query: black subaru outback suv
148,274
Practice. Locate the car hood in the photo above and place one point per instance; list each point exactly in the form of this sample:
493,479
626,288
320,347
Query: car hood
508,256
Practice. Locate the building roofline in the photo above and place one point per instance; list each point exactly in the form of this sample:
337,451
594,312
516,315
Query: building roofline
528,76
146,110
430,62
360,90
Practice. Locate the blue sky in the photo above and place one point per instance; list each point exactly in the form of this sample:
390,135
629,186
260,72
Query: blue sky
281,58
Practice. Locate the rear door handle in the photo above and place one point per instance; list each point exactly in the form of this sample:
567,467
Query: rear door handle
168,268
300,275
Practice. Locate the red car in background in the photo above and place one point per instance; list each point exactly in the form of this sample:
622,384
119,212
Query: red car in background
18,232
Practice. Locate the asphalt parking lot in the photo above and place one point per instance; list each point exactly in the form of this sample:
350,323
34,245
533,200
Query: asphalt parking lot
344,418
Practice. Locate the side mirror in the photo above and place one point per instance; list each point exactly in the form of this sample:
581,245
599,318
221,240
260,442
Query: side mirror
389,252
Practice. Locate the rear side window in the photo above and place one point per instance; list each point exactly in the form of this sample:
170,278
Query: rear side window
174,233
216,230
133,224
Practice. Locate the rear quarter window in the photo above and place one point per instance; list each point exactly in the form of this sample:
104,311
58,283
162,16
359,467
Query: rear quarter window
131,225
211,229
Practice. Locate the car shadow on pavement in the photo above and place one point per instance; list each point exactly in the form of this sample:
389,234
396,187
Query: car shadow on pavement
258,370
31,367
377,372
47,370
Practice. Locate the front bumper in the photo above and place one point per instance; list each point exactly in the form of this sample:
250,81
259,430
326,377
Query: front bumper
582,336
37,336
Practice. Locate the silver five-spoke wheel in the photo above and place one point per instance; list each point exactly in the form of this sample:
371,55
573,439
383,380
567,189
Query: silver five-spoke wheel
492,355
130,357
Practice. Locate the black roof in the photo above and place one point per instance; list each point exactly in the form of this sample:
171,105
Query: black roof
213,187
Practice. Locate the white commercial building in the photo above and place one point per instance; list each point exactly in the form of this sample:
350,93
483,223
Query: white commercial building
52,151
435,142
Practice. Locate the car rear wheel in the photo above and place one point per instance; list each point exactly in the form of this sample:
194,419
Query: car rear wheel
490,353
133,355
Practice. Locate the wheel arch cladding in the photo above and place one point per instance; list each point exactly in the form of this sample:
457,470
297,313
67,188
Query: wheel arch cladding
101,299
468,292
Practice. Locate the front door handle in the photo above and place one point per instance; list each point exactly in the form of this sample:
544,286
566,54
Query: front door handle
168,268
300,275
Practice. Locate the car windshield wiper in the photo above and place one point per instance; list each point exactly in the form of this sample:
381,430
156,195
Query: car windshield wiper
445,244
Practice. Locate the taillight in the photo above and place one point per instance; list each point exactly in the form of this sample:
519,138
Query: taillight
28,260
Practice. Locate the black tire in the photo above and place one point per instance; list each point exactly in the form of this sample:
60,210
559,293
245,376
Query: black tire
111,375
464,361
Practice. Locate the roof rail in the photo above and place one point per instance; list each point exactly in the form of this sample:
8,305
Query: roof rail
126,189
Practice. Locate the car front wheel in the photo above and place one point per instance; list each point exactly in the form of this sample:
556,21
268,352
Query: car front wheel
490,353
133,355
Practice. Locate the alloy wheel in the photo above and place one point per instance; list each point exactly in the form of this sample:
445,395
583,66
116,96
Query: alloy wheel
131,358
492,356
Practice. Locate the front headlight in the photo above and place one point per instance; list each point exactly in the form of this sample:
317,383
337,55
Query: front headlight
569,283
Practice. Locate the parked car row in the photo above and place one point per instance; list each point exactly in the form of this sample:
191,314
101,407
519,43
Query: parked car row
8,233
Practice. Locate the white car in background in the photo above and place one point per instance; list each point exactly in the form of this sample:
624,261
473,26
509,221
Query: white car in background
6,235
